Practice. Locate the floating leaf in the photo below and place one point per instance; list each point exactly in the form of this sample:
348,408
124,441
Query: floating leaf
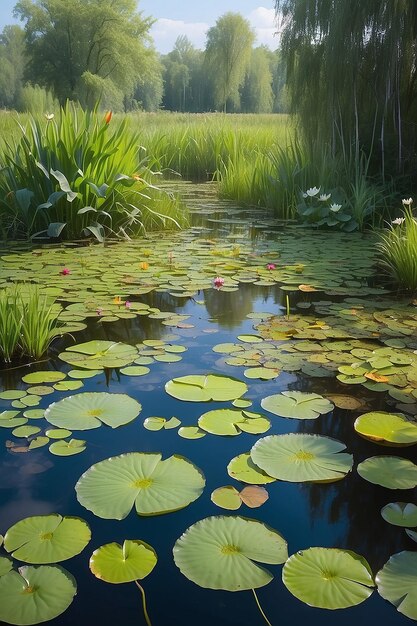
99,354
397,582
173,422
35,594
233,422
83,373
298,457
392,472
67,448
135,370
342,401
400,514
297,404
227,498
205,388
47,538
6,564
68,385
254,496
123,564
223,552
89,410
387,428
34,414
58,433
328,578
191,432
12,394
262,373
244,469
112,487
38,442
38,378
25,431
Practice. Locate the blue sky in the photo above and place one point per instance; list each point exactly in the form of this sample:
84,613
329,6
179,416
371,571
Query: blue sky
191,18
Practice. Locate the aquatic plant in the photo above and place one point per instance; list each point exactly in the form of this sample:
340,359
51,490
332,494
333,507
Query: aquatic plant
398,249
78,175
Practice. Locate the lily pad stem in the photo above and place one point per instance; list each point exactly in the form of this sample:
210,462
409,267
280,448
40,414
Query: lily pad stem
145,612
260,608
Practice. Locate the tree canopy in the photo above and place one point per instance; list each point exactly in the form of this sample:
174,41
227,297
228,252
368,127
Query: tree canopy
352,76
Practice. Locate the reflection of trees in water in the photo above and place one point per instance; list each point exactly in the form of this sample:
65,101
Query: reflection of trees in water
229,309
354,501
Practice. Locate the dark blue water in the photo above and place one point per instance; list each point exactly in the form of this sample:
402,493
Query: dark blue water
344,514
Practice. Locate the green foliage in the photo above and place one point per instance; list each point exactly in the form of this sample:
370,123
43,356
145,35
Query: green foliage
80,175
28,322
34,99
322,210
398,249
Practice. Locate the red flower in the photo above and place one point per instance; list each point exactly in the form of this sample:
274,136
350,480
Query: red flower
65,271
108,117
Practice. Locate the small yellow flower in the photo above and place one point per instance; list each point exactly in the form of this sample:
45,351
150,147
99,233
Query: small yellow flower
117,300
144,265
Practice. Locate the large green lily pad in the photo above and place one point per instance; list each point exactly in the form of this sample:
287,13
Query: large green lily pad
328,578
297,404
96,355
397,582
400,514
223,552
302,458
242,468
112,487
205,388
47,538
392,472
114,563
387,428
233,422
35,594
84,411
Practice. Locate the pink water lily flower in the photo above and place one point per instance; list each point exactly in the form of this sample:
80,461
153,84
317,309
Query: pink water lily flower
65,271
218,282
128,304
271,266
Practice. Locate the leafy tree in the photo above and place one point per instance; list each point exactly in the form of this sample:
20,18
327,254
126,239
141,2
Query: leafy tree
12,59
352,70
183,81
74,46
257,95
228,50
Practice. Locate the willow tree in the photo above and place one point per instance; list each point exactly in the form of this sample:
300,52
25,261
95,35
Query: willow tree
228,51
352,75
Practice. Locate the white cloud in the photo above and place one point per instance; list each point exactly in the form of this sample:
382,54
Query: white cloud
165,31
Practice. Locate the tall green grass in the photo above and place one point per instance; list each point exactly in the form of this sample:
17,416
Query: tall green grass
398,250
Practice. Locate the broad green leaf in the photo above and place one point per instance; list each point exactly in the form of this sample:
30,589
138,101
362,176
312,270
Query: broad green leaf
38,442
392,472
328,578
35,594
38,378
6,565
222,553
244,469
67,448
262,373
397,582
387,428
25,431
89,410
233,422
205,388
58,433
123,564
191,432
135,370
99,354
12,394
227,498
302,458
47,538
297,404
400,514
154,423
112,487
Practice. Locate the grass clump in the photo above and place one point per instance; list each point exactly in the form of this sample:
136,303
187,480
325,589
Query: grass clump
398,249
28,322
80,175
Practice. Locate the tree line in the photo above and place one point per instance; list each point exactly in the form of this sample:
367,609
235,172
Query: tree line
101,50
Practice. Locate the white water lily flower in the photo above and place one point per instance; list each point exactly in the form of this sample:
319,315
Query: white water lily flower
407,201
313,191
49,116
398,220
324,197
335,207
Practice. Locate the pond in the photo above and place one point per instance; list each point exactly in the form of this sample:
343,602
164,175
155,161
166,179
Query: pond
296,311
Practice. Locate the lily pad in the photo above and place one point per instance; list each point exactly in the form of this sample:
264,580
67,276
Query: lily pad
297,404
38,442
222,553
299,457
244,469
123,564
38,378
25,431
47,538
226,497
328,578
58,433
261,373
89,410
154,423
6,564
397,582
67,448
400,514
233,422
205,388
99,354
135,370
112,487
35,594
12,394
392,472
68,385
387,428
191,432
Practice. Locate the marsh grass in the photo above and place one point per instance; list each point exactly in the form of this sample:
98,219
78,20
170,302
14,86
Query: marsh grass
398,251
28,322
